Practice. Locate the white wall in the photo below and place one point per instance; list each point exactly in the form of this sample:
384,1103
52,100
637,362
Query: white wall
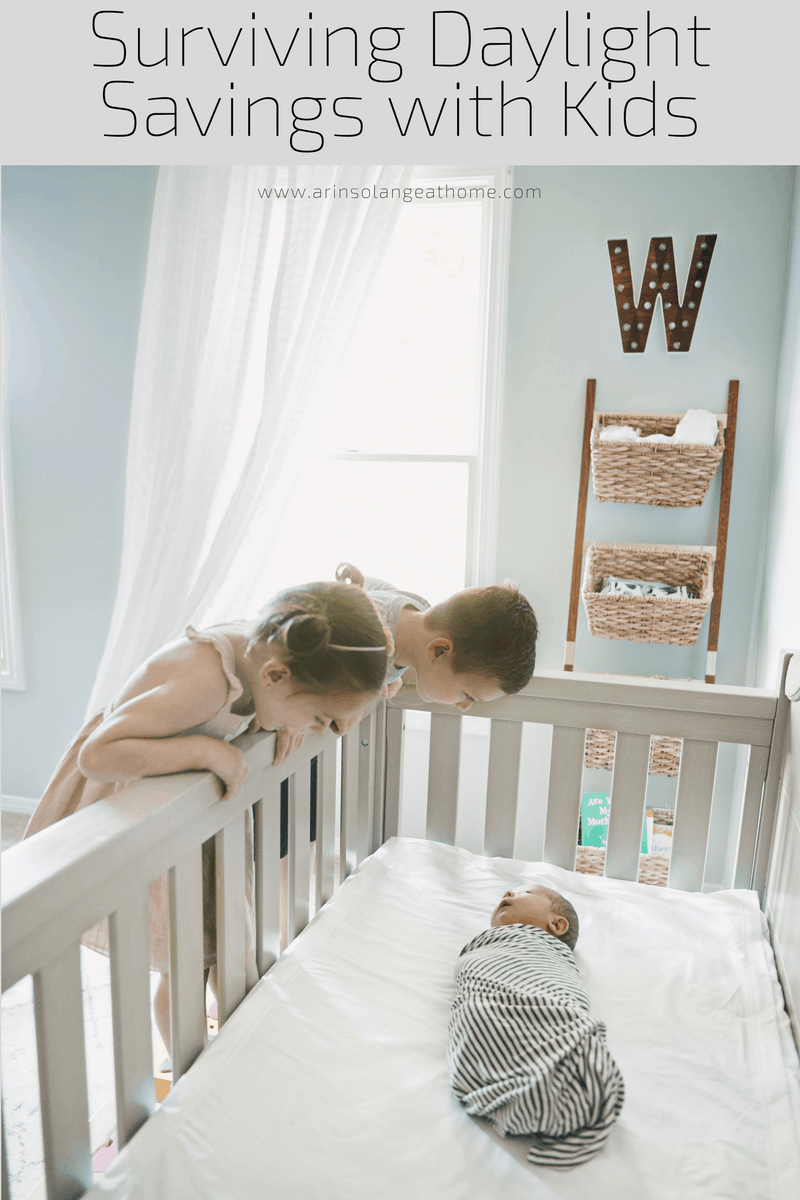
74,252
779,625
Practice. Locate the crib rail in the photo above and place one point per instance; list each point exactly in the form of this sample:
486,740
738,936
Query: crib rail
98,863
702,715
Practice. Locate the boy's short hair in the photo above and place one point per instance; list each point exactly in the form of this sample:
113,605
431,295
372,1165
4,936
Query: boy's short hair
562,908
494,633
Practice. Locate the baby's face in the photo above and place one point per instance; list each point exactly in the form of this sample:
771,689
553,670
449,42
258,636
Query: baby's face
530,907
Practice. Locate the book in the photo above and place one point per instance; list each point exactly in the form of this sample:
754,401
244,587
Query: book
595,814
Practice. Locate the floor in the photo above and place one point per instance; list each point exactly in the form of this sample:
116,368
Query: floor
12,828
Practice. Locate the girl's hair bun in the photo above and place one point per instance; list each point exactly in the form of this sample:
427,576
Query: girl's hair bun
347,573
306,634
322,629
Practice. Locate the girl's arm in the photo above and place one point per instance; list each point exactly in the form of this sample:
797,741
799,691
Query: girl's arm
177,690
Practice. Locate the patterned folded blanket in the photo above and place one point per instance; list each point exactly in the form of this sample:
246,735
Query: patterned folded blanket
523,1049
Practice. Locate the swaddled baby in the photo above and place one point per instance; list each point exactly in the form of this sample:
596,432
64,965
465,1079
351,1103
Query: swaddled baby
523,1048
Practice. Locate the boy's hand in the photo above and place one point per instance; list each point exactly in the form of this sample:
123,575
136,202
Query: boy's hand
229,763
286,742
391,689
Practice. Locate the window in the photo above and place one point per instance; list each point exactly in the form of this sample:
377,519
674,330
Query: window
405,487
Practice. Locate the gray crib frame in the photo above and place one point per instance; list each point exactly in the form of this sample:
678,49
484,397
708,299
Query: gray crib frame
98,862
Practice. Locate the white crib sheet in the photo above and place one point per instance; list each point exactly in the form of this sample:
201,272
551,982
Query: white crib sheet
330,1081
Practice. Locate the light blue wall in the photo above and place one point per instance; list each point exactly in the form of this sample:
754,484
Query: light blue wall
74,253
563,329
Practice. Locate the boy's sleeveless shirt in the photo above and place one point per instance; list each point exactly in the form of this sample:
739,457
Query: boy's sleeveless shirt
390,603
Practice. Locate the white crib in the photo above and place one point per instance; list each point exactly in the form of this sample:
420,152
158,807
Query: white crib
99,862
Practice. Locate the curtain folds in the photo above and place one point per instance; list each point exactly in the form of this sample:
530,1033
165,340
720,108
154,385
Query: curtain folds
249,299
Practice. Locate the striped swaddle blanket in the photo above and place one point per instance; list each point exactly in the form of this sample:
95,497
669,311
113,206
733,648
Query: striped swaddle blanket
524,1050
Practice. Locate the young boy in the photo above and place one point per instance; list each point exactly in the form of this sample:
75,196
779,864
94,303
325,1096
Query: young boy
523,1050
478,645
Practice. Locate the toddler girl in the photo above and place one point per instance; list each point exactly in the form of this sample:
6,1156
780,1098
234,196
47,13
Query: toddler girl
314,658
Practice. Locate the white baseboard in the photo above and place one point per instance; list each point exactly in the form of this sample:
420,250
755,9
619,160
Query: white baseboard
18,804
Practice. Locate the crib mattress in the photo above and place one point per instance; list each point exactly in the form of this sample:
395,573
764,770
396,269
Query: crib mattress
330,1081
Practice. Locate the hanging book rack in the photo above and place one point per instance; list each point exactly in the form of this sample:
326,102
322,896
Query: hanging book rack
674,475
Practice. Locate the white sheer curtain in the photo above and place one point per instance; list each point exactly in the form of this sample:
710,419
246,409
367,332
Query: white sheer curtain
248,302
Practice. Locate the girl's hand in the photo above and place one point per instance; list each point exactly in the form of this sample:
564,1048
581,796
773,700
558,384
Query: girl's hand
391,689
345,725
286,742
229,763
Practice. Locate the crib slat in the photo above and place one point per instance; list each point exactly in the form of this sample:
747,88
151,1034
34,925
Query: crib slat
58,1006
349,827
395,727
129,948
229,846
751,810
379,776
366,786
187,1010
326,824
297,883
267,839
564,796
505,748
692,814
443,765
628,790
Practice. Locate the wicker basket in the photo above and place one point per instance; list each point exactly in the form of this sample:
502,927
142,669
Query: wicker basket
665,752
667,619
669,474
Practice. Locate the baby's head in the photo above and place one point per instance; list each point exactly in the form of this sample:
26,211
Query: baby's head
541,906
483,646
319,654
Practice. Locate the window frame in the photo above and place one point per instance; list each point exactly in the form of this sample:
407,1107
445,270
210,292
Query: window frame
483,482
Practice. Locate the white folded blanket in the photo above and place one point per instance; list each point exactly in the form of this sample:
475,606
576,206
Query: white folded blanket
697,427
639,587
523,1049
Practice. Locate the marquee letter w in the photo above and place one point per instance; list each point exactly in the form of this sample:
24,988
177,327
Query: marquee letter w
661,280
